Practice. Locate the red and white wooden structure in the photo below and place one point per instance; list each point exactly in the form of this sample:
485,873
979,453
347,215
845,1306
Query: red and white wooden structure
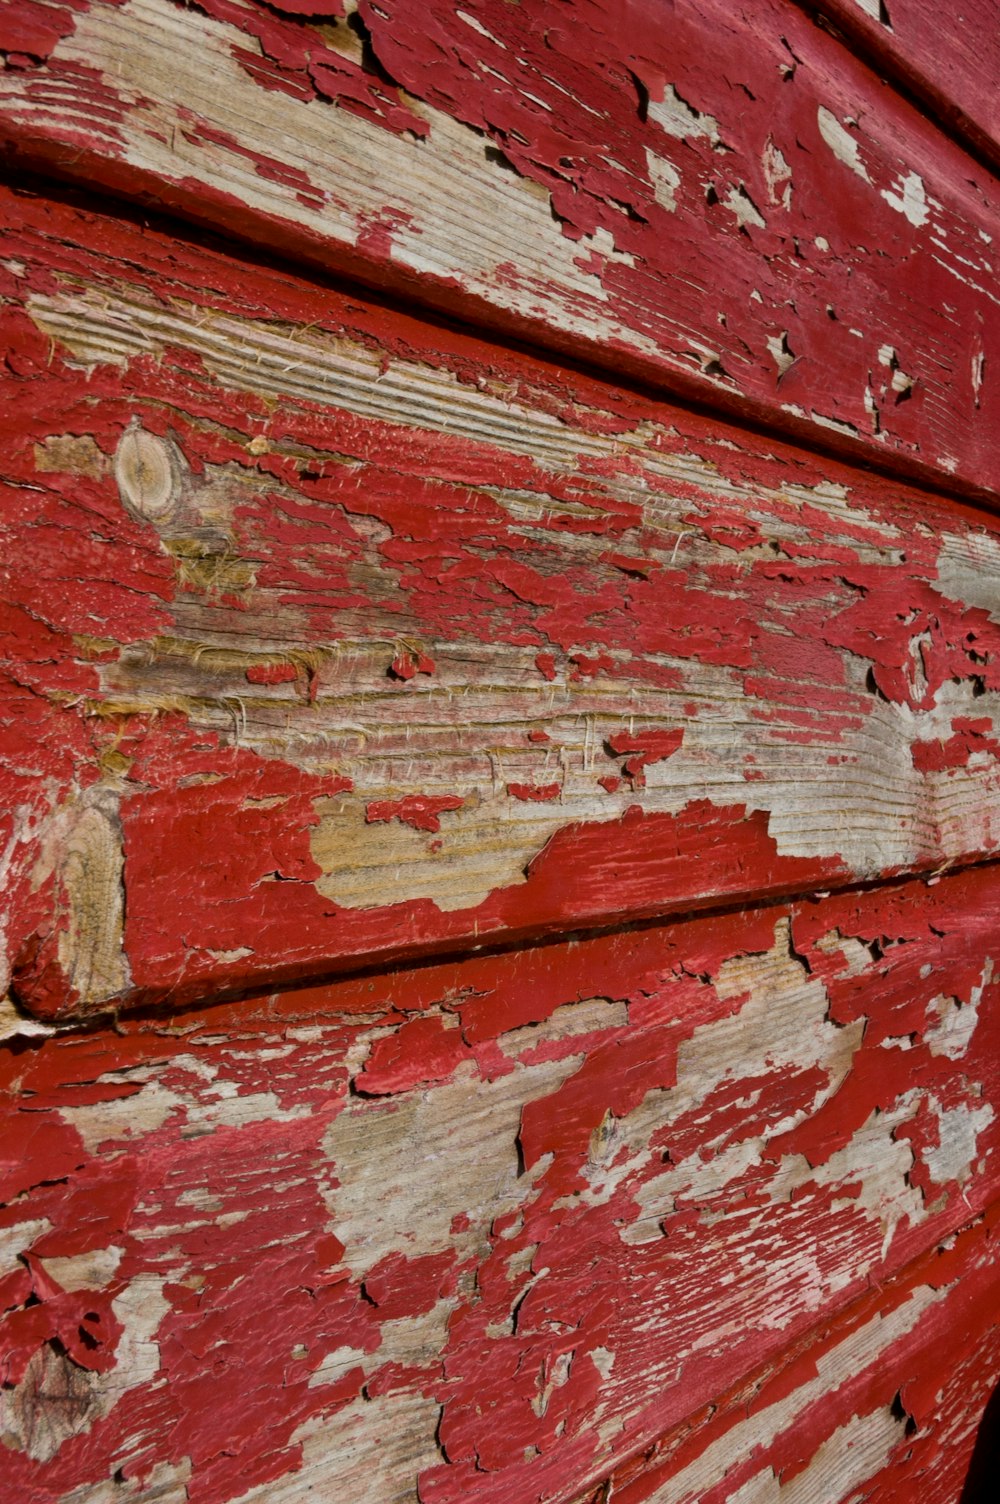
499,751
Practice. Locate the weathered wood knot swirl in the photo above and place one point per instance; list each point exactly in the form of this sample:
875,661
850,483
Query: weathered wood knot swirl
147,470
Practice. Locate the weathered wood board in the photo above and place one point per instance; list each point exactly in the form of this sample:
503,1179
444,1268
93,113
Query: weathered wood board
719,198
333,636
949,58
371,1199
498,870
884,1407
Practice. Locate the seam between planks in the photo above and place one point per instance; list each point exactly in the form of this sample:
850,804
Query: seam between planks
629,1470
43,168
905,79
155,1007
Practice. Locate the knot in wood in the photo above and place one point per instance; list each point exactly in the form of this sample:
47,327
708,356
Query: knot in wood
148,475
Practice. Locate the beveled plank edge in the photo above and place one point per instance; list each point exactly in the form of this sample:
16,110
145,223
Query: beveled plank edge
870,44
27,1009
46,165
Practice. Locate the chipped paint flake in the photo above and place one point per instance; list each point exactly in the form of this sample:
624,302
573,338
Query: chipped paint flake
679,118
909,198
840,141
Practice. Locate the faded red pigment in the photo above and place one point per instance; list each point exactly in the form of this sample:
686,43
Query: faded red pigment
835,245
206,1165
499,868
828,623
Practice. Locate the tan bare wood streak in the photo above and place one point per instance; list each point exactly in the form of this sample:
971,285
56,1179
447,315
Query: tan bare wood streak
291,506
834,277
762,1157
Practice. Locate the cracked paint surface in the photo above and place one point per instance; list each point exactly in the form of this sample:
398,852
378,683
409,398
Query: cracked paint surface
952,69
550,168
333,636
429,1072
370,1197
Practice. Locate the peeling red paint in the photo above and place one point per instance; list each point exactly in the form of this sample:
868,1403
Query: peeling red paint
854,634
30,31
952,72
222,1159
646,747
271,673
533,792
422,1050
304,65
407,665
586,1151
600,154
419,811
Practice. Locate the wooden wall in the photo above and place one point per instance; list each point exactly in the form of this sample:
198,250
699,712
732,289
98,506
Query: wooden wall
499,751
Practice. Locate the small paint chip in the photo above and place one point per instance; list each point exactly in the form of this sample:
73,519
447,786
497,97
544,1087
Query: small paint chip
678,118
665,180
408,663
777,174
911,200
271,673
739,202
534,793
840,141
419,811
781,353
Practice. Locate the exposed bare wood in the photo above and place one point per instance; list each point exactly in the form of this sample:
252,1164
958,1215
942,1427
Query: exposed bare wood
723,200
499,978
686,1209
948,58
384,643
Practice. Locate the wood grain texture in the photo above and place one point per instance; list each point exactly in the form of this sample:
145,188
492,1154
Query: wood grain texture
720,199
332,637
333,641
890,1404
686,1208
948,58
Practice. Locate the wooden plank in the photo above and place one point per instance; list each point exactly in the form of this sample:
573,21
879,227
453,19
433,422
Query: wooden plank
888,1406
491,1229
949,59
331,636
723,201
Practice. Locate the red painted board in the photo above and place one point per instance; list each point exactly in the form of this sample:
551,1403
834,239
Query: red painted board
497,1228
949,59
895,1402
723,201
333,637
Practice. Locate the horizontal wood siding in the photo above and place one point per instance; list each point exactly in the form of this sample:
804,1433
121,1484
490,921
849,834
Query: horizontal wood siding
485,1230
396,643
499,752
722,200
949,59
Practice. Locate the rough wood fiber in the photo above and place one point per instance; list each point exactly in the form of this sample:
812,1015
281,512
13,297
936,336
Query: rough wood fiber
697,1206
887,1406
720,198
330,636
